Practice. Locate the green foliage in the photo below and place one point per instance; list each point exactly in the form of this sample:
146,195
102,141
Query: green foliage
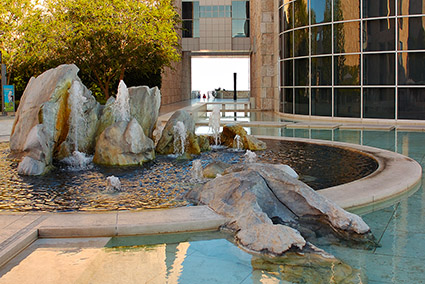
106,39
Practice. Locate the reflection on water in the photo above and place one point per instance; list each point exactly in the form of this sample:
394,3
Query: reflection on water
176,258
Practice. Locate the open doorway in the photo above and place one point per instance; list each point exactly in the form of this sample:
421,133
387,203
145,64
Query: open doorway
215,75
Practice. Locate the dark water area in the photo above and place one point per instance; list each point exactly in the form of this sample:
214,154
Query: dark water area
162,183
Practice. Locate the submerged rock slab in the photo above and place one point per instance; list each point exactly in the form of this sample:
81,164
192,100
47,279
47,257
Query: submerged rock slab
273,214
124,144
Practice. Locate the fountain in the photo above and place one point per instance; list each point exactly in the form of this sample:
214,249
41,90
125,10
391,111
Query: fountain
214,124
250,157
113,183
237,143
122,103
196,171
179,138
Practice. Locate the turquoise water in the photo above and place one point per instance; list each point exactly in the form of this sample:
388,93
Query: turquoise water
399,228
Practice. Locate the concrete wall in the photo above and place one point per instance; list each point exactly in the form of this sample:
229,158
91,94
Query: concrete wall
264,54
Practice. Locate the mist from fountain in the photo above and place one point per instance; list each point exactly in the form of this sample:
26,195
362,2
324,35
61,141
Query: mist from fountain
78,161
196,171
179,137
122,103
214,124
113,183
250,157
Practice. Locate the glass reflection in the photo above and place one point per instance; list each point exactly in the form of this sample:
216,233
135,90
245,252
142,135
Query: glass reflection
287,73
411,7
321,101
411,33
347,37
411,68
379,35
378,8
301,101
287,44
301,42
288,96
240,28
347,102
379,69
321,71
300,13
320,11
347,70
287,19
321,39
346,10
301,72
411,103
378,103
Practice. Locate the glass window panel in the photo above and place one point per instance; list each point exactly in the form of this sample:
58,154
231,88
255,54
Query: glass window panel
379,103
240,28
411,68
195,28
187,10
301,14
347,102
411,7
301,72
347,37
379,69
196,9
288,101
288,73
321,39
320,11
288,21
378,8
301,42
240,9
301,101
187,29
411,33
287,44
321,101
321,71
411,103
347,70
379,35
346,10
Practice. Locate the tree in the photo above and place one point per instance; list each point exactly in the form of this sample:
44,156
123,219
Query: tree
104,38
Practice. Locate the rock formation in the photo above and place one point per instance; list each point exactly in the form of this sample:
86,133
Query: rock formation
166,143
249,142
274,215
42,125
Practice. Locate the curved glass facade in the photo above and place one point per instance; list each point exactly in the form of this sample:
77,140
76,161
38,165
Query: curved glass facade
353,58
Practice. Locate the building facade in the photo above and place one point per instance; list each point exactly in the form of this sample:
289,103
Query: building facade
325,59
360,59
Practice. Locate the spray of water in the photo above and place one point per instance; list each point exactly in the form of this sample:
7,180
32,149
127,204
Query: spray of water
76,100
237,143
196,171
78,161
214,124
122,103
250,157
113,183
179,137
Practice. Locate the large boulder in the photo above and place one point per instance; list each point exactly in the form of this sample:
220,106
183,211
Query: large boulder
124,144
256,194
249,142
166,144
144,105
46,101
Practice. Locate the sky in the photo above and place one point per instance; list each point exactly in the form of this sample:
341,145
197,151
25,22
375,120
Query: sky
209,73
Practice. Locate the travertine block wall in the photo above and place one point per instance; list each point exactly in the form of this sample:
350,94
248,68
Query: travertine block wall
264,47
176,81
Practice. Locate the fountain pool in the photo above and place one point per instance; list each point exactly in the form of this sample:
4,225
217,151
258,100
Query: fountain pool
163,182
